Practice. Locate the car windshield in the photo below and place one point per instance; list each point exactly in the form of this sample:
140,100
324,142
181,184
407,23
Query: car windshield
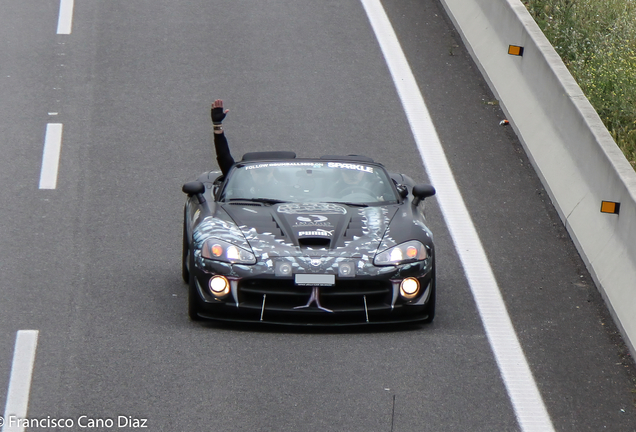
310,181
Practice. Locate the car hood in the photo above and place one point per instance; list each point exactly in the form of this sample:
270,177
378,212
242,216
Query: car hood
312,229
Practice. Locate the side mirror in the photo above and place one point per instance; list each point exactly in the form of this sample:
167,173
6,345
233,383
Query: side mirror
195,188
422,191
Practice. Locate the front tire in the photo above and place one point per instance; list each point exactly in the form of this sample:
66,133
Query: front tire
193,298
430,309
185,256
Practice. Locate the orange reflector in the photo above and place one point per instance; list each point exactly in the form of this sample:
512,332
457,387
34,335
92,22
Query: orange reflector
610,207
515,50
217,250
411,252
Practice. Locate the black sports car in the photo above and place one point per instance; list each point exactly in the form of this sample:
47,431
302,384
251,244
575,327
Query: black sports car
329,241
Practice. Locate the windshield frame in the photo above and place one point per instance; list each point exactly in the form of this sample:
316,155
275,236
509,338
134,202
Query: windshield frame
390,187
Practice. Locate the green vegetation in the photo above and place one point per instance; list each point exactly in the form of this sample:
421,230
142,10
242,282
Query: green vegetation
597,41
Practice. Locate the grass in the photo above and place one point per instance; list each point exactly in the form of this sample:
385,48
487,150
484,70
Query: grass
597,41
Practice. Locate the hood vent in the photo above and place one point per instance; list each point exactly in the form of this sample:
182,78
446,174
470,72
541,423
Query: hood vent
246,204
354,228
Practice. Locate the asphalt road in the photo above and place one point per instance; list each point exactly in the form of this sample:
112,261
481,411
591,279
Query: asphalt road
94,265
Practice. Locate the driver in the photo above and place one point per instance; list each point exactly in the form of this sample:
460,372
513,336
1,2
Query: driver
352,177
263,183
350,181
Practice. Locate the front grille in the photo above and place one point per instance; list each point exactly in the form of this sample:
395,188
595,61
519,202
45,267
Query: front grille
347,296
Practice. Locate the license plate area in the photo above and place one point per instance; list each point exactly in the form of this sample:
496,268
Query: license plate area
315,279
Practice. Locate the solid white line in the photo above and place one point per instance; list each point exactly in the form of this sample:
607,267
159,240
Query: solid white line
522,389
65,19
51,156
20,382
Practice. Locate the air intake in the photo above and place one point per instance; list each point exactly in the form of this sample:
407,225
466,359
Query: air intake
314,242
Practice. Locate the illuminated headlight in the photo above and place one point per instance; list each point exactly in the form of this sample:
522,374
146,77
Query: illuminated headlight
409,287
219,250
219,286
407,252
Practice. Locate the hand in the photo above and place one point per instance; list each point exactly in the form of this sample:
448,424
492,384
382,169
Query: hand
217,112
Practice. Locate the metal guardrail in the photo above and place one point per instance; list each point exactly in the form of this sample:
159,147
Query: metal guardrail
589,180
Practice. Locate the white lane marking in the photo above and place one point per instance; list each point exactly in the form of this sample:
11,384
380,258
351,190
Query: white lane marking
513,366
51,156
65,19
20,382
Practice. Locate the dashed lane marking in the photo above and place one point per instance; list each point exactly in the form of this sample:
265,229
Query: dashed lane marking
65,18
20,381
51,156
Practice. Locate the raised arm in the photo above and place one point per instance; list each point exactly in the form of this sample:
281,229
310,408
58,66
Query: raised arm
223,155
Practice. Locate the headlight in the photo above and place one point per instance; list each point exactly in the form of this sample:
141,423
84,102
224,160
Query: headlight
407,252
219,250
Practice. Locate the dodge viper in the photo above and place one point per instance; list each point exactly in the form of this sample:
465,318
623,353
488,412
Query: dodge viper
335,240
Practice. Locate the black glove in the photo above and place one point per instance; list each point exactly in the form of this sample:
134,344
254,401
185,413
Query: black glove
217,115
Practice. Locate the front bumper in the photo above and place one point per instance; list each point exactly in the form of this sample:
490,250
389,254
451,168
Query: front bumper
371,297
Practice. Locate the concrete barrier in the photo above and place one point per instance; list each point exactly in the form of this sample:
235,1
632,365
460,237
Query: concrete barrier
576,158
